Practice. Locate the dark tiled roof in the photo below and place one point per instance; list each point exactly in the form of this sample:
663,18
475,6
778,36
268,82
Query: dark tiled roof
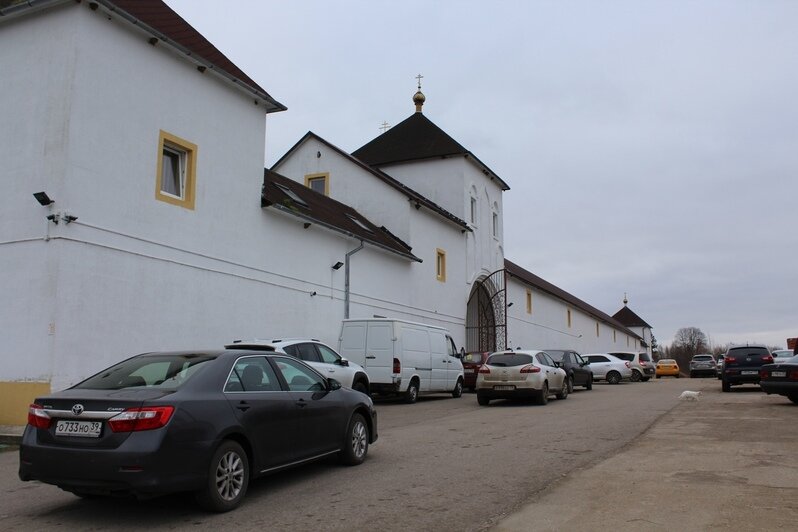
295,198
404,189
416,138
531,279
158,19
629,318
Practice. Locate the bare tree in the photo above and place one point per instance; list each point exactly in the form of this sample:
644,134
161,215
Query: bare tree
688,342
691,341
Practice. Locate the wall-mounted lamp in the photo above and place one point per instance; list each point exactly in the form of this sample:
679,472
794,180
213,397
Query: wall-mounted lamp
337,265
43,199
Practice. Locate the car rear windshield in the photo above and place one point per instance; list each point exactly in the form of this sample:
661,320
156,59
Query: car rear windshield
703,357
644,356
509,359
167,371
667,361
748,351
474,358
555,354
624,356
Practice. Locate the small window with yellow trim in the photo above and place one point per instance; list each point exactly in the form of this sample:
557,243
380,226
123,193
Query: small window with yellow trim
319,183
176,173
529,301
440,265
568,315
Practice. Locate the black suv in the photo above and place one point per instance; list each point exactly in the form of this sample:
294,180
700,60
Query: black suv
741,364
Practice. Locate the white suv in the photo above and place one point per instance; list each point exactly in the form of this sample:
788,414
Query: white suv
320,356
606,367
643,368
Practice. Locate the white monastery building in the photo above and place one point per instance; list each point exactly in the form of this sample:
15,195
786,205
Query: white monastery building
137,216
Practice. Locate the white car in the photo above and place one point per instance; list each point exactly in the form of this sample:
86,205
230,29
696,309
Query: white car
320,356
520,374
608,367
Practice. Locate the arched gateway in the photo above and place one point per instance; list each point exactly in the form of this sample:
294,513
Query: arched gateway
486,315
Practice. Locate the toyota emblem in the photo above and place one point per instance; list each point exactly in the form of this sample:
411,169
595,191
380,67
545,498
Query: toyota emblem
77,409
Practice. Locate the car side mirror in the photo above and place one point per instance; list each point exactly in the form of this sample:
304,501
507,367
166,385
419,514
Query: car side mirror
343,362
333,384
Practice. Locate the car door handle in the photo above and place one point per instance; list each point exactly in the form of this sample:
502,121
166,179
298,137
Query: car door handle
243,406
371,357
331,371
301,403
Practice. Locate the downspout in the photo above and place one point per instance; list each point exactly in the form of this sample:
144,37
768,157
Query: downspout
346,278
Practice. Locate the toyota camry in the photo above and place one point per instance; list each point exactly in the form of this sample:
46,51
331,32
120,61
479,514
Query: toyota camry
199,421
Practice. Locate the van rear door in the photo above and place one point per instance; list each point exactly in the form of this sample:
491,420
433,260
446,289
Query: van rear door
379,352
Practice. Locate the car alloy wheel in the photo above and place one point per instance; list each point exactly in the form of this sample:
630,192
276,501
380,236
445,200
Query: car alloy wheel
356,442
228,478
613,377
636,376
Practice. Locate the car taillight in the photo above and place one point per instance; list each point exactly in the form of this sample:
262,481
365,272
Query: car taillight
397,366
135,419
763,374
767,359
729,359
38,417
484,370
530,368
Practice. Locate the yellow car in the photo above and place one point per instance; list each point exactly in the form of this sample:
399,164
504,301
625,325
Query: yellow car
667,367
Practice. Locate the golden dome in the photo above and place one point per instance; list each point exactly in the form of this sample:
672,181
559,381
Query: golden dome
419,99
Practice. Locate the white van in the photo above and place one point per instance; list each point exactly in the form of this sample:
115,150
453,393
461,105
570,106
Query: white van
402,357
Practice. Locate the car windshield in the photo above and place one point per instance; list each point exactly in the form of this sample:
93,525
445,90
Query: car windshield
509,359
556,354
165,371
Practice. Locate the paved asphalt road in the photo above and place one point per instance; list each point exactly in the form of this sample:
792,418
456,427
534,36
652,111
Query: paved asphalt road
441,464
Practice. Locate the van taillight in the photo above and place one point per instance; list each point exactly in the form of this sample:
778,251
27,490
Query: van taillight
38,417
397,366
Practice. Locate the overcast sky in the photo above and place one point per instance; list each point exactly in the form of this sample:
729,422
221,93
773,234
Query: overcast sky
650,147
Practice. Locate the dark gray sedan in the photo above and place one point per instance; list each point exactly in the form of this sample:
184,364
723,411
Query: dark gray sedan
201,421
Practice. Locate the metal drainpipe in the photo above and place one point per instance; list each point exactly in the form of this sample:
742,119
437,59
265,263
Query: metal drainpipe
346,278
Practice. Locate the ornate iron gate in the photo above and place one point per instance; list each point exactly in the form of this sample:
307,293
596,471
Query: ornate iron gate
486,316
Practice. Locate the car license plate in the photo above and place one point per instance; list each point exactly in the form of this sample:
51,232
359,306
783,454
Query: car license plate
468,370
83,429
749,372
504,387
778,373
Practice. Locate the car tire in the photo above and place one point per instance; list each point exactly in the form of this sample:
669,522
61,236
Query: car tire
636,376
356,441
725,386
589,385
793,398
564,392
543,397
228,478
658,376
613,377
361,387
692,375
458,389
678,375
645,379
482,400
411,395
570,379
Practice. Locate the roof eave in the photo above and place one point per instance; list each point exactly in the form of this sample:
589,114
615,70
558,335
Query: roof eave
203,65
311,219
